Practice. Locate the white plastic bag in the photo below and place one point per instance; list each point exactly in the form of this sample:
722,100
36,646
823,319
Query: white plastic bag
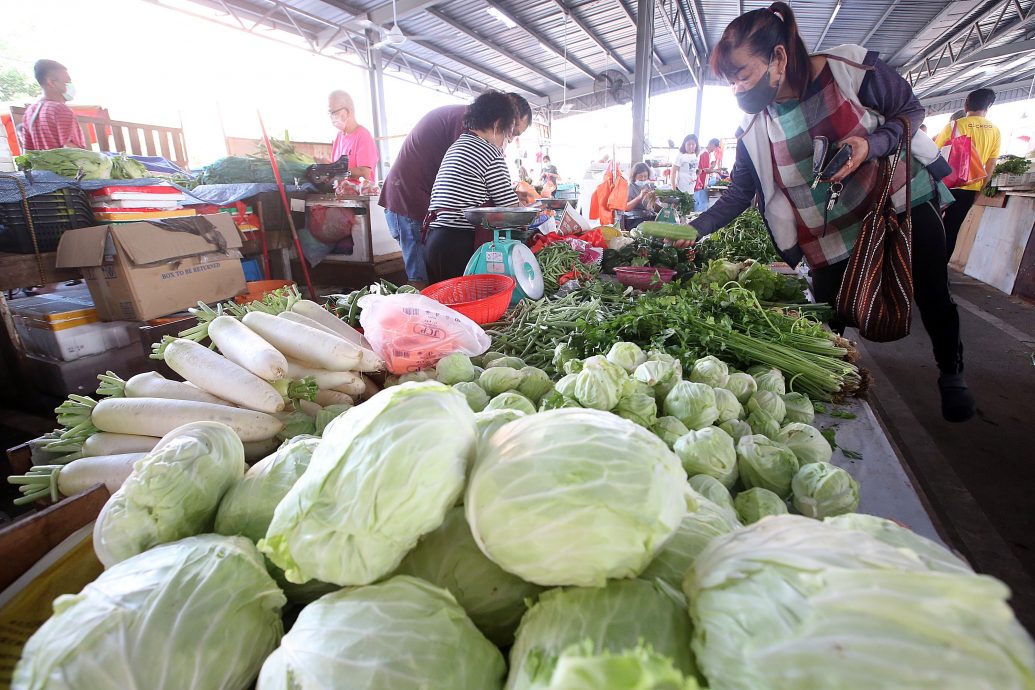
411,332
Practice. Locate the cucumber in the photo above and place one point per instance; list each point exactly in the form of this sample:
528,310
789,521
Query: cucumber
667,231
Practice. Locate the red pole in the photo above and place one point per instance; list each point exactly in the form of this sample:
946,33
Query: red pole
287,208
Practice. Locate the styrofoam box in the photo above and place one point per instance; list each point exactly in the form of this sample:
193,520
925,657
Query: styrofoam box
70,344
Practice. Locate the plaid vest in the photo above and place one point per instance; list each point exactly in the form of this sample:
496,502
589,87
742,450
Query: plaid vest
828,236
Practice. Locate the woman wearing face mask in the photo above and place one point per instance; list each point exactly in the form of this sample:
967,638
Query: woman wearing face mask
640,204
684,168
850,97
473,173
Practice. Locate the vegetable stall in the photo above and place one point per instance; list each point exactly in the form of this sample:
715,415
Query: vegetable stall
632,482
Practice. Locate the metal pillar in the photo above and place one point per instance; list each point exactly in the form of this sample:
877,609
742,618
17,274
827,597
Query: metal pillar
376,74
697,113
641,84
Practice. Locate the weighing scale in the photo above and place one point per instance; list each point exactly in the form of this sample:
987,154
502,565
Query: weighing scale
506,256
668,203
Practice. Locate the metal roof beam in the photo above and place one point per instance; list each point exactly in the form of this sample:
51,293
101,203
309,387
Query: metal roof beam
999,51
913,60
935,105
694,66
483,40
879,24
523,26
830,23
695,9
481,69
383,14
592,35
658,60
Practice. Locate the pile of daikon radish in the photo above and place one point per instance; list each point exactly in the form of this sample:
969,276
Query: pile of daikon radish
276,359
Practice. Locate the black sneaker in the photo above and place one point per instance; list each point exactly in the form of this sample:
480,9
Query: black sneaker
957,401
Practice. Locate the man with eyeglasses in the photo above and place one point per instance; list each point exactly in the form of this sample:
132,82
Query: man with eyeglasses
353,140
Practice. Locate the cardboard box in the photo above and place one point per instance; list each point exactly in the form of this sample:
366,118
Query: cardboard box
140,271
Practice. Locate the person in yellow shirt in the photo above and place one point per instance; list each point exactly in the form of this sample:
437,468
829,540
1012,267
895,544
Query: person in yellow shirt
986,140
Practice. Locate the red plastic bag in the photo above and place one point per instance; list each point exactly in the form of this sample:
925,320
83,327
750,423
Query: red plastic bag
963,157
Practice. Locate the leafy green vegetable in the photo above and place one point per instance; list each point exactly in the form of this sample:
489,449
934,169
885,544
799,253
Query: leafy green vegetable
358,510
709,451
669,430
736,428
496,380
172,493
68,162
712,489
798,408
626,355
710,370
449,558
328,415
476,396
490,421
754,504
578,668
455,368
201,611
745,238
727,405
766,463
768,379
702,523
693,404
599,384
824,490
400,634
806,442
535,384
768,403
539,488
511,400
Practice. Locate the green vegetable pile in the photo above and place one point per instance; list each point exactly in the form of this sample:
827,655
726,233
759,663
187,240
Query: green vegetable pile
70,162
346,307
644,251
1012,165
768,285
745,238
559,259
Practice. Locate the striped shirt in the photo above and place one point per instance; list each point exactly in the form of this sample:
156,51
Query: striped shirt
473,173
51,125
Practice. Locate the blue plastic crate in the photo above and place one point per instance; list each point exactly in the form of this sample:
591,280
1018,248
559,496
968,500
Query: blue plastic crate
252,269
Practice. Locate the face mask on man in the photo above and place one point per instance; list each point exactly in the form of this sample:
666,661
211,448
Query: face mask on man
755,99
69,91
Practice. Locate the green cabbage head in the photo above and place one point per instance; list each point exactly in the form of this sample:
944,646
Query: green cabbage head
669,430
693,404
709,451
823,490
384,475
626,355
200,612
617,617
771,601
172,493
768,403
799,408
704,520
511,400
600,384
728,405
736,428
767,464
490,421
661,372
710,370
805,442
449,558
769,379
578,668
712,489
400,634
496,380
754,504
741,385
535,384
455,368
476,396
544,486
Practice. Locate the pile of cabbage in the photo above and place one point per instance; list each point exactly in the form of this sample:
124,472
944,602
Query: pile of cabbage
417,546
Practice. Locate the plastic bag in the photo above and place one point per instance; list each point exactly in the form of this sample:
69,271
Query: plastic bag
413,332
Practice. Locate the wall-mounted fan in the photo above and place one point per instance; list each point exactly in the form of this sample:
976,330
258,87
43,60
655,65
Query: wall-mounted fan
613,85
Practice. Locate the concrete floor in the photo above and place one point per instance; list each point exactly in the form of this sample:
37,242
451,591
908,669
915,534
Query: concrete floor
977,477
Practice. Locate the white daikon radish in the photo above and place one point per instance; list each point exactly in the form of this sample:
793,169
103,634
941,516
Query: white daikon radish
257,450
55,481
310,408
345,381
371,388
151,384
159,416
318,348
219,376
306,321
326,398
243,346
314,311
103,443
368,360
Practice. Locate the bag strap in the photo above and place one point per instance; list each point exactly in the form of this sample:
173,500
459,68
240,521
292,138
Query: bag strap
888,170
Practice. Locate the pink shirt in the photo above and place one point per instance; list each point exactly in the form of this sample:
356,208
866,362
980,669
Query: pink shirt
359,147
51,125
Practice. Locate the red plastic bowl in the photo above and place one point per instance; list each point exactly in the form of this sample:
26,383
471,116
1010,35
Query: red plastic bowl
644,277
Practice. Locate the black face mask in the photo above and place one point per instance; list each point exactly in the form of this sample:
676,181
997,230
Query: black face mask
755,99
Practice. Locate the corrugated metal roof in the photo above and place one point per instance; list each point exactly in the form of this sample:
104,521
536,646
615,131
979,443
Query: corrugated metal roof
561,44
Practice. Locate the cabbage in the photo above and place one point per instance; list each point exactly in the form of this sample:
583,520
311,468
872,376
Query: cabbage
799,408
296,423
710,370
566,386
545,501
767,464
201,613
768,403
693,404
934,556
172,493
449,558
728,406
763,425
619,616
496,380
562,354
703,522
669,430
824,490
638,407
476,396
416,377
384,474
626,355
508,362
741,385
712,489
736,428
247,506
790,603
487,357
754,504
768,379
661,372
511,400
455,368
401,634
489,422
578,668
535,384
573,366
556,401
709,451
68,162
806,442
328,415
599,385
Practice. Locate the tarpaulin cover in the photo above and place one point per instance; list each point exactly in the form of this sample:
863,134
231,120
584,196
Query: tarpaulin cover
45,182
227,194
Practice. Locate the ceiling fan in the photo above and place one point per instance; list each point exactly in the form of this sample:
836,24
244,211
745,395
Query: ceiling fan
393,36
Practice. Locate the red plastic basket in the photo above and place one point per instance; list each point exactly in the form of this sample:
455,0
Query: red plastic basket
481,298
644,277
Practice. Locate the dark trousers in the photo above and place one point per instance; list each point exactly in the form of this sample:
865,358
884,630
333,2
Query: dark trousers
446,253
955,215
930,288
